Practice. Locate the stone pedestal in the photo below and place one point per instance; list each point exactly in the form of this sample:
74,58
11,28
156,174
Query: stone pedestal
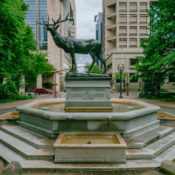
87,92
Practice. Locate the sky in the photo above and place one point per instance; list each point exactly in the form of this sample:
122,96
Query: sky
85,12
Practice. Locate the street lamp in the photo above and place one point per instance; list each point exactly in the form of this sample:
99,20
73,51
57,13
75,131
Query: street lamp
55,87
127,85
121,69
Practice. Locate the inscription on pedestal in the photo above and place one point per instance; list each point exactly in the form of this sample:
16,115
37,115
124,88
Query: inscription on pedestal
87,94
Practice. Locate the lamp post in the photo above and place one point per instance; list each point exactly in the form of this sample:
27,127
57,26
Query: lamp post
121,69
55,89
127,85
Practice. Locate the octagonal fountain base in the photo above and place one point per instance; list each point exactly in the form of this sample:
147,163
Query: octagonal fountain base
51,124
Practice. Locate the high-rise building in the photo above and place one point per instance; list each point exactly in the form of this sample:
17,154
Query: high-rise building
99,26
125,24
38,11
99,32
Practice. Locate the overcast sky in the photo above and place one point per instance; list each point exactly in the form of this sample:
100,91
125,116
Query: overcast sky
85,12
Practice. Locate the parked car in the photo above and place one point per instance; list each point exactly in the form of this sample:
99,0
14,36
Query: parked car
43,91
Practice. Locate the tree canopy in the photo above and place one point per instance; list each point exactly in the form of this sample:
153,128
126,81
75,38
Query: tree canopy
158,61
95,69
18,57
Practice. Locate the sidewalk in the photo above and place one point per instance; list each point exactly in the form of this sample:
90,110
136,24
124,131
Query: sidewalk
134,95
21,102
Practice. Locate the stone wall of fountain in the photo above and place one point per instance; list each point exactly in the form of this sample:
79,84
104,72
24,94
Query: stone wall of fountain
52,123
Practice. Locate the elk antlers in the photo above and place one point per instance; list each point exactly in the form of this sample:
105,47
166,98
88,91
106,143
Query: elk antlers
60,21
56,23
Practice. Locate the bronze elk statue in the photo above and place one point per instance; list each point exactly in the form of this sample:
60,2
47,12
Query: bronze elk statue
72,46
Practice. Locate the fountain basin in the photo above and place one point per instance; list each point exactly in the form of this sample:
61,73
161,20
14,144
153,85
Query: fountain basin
90,147
52,123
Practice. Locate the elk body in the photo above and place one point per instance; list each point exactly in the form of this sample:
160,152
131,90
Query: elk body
72,45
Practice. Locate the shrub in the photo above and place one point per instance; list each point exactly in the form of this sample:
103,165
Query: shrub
8,90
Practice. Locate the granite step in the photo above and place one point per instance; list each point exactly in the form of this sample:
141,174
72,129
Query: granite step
34,139
24,149
37,129
9,155
153,149
148,137
169,154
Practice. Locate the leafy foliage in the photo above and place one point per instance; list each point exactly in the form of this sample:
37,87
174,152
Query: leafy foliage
116,76
17,46
159,49
8,90
37,64
95,69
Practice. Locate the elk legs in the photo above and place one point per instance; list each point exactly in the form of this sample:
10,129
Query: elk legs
104,63
93,62
94,59
74,67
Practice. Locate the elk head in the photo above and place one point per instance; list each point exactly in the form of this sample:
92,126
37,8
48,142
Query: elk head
55,25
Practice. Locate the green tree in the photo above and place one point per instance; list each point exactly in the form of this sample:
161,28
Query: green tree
158,61
38,65
12,32
116,77
18,57
95,69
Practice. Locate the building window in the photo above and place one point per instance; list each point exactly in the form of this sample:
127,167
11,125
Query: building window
133,46
133,6
122,19
109,66
122,30
133,39
122,46
122,6
143,4
133,42
143,19
123,39
133,78
133,61
133,30
133,19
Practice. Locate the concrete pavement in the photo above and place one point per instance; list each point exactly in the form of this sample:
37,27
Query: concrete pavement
165,106
21,102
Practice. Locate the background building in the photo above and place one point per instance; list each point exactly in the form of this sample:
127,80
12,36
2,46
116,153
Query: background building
41,9
125,24
99,32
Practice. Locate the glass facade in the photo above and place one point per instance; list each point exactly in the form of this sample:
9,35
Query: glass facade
99,33
36,12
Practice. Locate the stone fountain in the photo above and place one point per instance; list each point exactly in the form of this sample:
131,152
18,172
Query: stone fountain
88,112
